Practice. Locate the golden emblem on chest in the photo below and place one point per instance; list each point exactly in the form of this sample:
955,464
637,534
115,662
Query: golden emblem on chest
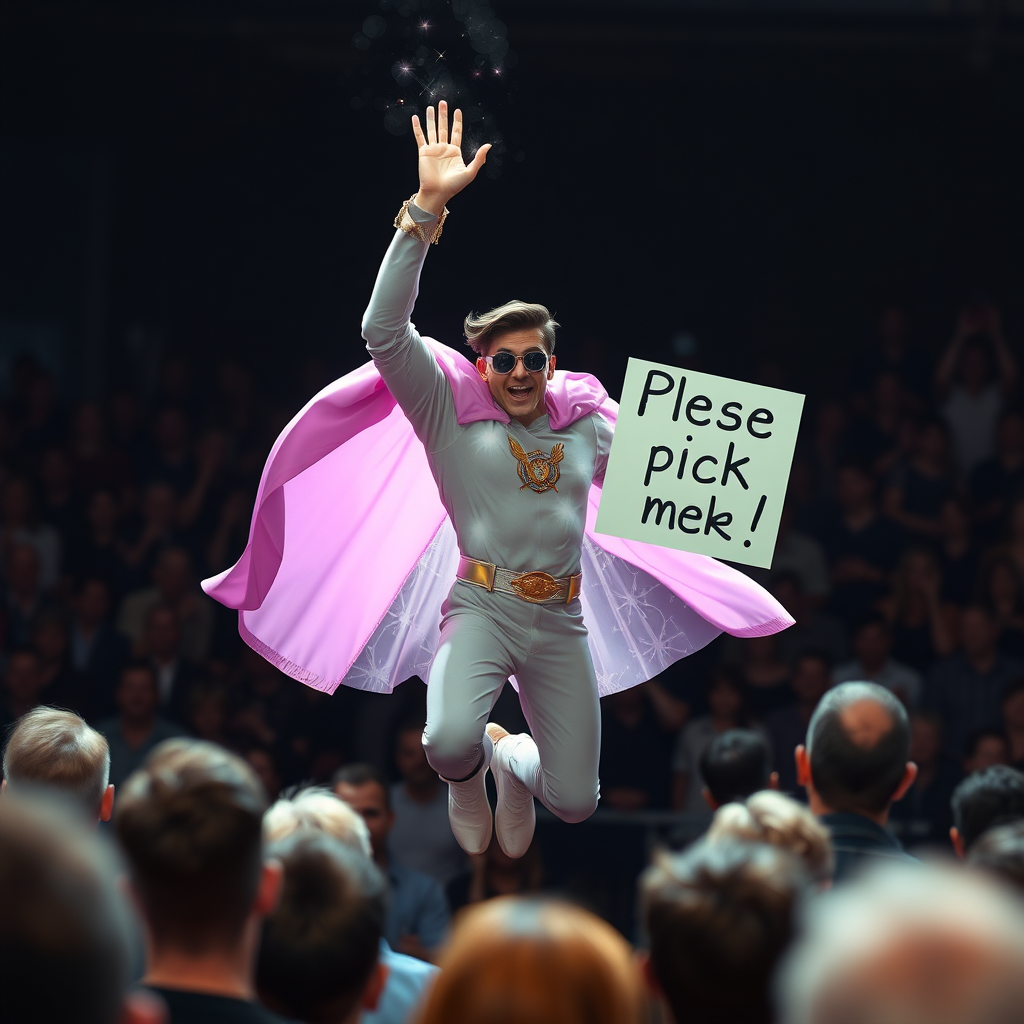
538,471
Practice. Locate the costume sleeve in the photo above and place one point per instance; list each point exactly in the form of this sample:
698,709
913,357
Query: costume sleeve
408,367
604,432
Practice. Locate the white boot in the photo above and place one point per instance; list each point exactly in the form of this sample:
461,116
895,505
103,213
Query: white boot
469,813
515,817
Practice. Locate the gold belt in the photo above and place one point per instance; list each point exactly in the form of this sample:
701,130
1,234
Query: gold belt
535,587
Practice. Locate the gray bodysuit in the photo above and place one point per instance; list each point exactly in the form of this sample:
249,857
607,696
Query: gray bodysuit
486,637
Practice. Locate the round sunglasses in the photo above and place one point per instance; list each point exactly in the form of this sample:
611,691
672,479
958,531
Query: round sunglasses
534,361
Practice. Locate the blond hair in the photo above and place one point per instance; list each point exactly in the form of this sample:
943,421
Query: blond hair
481,328
515,960
55,748
318,810
772,818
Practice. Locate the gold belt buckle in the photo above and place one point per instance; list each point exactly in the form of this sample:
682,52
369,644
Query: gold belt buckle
479,574
535,586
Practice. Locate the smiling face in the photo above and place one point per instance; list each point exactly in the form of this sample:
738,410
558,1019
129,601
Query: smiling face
520,393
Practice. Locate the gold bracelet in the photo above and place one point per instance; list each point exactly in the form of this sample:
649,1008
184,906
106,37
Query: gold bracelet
404,222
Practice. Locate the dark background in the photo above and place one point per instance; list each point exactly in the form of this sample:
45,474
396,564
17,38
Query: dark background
194,177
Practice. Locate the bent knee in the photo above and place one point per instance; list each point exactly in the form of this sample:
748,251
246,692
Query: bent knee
573,808
452,751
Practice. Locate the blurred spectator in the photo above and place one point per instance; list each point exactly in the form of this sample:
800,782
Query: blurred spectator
972,396
726,703
894,354
98,651
157,531
138,728
62,684
991,797
787,727
984,749
778,820
878,438
95,463
493,873
171,459
734,765
207,713
1001,591
924,815
261,761
175,587
161,648
320,810
813,628
418,914
907,943
636,751
266,712
923,625
799,553
862,545
965,689
958,553
1015,534
529,961
19,524
919,485
319,952
189,822
101,552
65,938
23,686
54,748
1013,719
25,599
855,766
1000,853
872,645
765,673
999,482
421,837
58,503
718,918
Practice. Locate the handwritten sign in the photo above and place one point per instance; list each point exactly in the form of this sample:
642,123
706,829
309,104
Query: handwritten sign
699,463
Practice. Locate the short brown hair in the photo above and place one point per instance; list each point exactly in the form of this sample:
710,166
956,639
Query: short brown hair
56,748
718,918
515,960
481,328
190,821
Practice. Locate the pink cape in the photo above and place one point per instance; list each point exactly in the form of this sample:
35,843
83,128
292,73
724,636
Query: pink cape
351,553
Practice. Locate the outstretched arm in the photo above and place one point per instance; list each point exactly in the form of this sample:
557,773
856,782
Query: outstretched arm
406,364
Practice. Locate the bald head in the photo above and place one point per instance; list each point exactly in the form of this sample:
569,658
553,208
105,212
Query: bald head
858,742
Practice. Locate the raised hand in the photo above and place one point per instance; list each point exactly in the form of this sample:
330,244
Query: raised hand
443,172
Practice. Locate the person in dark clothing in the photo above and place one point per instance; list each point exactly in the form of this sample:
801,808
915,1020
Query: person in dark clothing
736,764
190,824
983,800
855,766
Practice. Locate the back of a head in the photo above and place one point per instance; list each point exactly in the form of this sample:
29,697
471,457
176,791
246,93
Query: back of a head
1000,852
55,748
993,796
858,741
515,960
189,822
63,924
321,811
735,764
322,941
718,917
778,820
908,944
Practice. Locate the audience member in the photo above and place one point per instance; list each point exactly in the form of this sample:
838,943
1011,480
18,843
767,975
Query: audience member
319,953
1001,591
920,484
718,918
922,944
778,820
787,727
98,651
190,824
319,810
138,728
161,647
765,673
1012,706
421,837
997,483
529,961
64,931
965,689
494,873
984,749
872,645
1000,852
958,552
20,525
23,686
736,764
25,596
636,752
726,703
855,766
813,629
418,913
994,796
56,749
